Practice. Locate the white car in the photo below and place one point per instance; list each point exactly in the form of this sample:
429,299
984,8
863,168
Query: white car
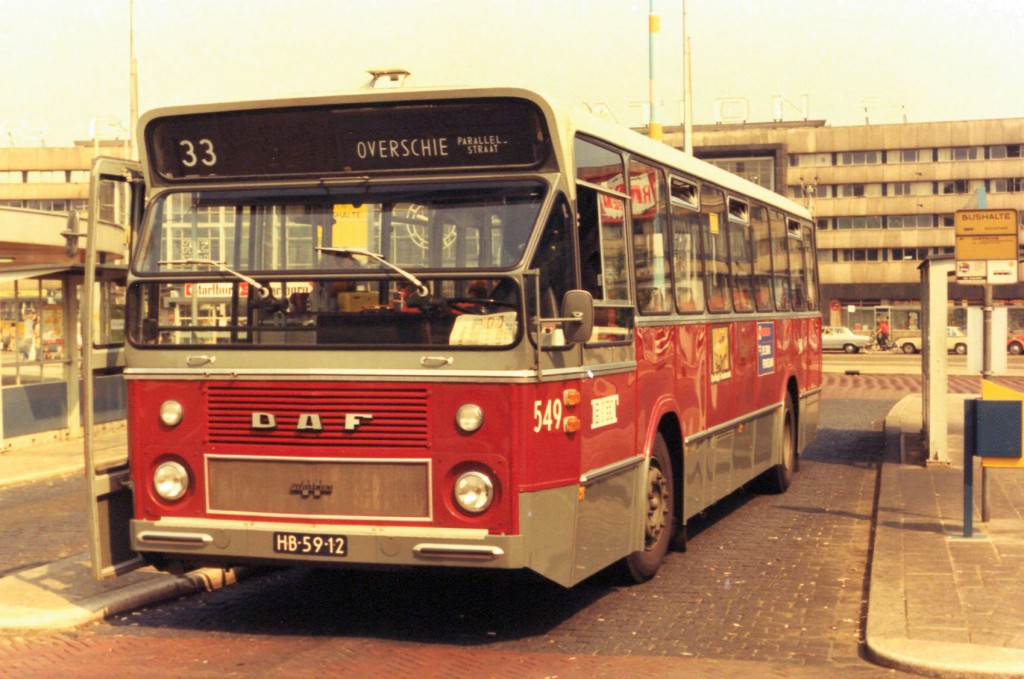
841,338
956,342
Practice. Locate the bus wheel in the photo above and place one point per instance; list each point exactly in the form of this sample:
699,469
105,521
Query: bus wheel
659,519
781,475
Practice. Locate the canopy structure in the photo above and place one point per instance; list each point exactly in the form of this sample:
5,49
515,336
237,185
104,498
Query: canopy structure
33,238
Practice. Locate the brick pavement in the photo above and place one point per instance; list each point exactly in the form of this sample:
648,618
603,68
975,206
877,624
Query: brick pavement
942,604
914,620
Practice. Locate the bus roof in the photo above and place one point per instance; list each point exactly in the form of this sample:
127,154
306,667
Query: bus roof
564,122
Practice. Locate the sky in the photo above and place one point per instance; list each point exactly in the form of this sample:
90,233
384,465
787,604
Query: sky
64,64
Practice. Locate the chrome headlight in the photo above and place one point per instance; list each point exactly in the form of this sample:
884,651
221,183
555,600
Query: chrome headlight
474,492
170,480
171,413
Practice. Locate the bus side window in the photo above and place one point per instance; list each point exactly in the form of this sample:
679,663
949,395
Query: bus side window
604,263
650,239
810,263
714,229
762,258
590,246
740,260
780,262
795,239
687,263
555,262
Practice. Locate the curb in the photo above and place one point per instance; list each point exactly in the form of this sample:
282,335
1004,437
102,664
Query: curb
63,594
885,637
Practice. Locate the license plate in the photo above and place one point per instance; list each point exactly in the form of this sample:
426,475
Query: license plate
310,544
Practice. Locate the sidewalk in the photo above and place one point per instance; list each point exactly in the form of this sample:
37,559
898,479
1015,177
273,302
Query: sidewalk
941,604
64,594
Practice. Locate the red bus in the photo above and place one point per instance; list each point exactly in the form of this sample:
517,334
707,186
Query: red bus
457,328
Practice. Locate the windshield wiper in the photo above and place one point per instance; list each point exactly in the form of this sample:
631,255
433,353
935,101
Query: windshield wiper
420,288
264,290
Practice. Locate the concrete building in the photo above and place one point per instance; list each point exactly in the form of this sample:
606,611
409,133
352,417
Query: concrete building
884,198
41,288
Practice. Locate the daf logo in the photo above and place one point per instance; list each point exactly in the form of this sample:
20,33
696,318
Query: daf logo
313,489
263,421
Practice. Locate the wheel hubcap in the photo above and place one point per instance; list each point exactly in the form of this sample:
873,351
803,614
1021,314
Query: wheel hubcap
657,505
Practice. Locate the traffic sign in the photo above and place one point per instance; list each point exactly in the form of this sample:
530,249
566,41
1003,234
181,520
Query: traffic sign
987,245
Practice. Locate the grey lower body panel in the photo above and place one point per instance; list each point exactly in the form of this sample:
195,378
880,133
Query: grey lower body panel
565,535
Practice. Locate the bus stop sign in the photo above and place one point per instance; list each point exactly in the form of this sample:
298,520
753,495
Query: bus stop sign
986,246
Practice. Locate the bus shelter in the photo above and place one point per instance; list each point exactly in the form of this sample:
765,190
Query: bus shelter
41,282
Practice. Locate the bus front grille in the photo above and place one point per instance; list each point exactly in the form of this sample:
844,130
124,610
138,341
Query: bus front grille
319,488
317,414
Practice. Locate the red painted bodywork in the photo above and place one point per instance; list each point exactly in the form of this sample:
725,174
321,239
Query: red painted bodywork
672,377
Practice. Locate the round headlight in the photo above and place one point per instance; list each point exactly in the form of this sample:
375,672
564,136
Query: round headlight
469,417
474,492
171,413
170,480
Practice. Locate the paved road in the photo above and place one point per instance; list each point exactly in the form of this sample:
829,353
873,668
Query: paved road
774,580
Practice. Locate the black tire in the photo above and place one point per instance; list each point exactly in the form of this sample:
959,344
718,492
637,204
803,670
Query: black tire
851,348
779,477
659,522
960,349
909,348
1015,348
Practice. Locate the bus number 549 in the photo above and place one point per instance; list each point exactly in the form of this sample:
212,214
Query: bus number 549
547,415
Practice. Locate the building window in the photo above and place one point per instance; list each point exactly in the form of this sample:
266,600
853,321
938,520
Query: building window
859,158
32,330
810,160
1009,185
907,156
1004,151
859,222
760,171
910,221
959,153
12,177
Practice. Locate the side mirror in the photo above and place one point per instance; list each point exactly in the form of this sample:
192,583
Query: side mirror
577,316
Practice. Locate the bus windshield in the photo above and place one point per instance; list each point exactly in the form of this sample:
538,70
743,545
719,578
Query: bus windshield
335,266
437,227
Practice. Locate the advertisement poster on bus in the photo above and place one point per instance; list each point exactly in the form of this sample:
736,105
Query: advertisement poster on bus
642,190
765,348
721,365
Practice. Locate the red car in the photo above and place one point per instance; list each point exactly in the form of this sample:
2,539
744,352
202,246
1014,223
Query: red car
1015,344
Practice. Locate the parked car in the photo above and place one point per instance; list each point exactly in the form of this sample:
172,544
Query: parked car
956,342
841,338
1015,344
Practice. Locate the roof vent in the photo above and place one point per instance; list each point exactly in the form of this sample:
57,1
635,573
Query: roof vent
389,77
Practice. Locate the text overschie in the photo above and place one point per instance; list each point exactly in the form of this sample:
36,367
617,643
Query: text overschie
428,147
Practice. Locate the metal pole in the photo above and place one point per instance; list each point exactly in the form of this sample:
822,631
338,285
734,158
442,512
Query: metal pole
984,491
687,91
653,25
133,150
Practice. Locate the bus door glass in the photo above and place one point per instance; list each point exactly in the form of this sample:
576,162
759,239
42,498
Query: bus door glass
110,505
609,389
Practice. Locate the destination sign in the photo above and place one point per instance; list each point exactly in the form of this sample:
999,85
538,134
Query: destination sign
323,141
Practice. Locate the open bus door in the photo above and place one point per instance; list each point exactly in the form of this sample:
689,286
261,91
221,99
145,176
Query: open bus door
116,193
